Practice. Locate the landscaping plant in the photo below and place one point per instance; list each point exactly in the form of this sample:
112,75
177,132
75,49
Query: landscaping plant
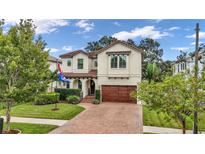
47,98
64,92
24,69
73,99
173,96
97,94
96,101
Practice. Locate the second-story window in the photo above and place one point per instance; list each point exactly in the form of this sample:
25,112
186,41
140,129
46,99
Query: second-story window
68,62
96,63
80,63
114,61
122,61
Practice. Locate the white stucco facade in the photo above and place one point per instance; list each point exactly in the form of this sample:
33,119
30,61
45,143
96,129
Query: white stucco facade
101,65
113,76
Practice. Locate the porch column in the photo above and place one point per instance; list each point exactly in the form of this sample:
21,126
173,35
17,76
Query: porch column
84,87
71,83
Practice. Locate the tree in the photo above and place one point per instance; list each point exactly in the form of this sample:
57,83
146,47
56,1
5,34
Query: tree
24,72
93,46
53,78
104,42
182,57
166,69
152,53
169,96
152,72
131,42
174,96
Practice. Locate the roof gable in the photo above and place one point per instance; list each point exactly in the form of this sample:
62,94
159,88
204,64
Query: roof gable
72,54
122,43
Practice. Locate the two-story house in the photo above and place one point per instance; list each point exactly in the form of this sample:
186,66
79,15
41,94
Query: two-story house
114,70
53,66
189,63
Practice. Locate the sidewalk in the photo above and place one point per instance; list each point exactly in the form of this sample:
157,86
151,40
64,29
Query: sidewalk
164,130
38,121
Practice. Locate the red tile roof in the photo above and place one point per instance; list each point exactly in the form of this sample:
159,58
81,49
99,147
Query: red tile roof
92,74
73,53
93,54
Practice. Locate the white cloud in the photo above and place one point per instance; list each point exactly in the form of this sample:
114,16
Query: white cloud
52,49
174,28
67,48
158,20
180,48
48,26
193,43
43,26
116,23
201,35
187,29
11,22
147,31
85,25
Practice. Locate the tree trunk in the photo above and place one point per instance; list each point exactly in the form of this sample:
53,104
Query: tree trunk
56,106
52,87
184,126
8,114
195,127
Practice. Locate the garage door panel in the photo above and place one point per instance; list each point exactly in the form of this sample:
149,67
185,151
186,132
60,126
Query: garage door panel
111,93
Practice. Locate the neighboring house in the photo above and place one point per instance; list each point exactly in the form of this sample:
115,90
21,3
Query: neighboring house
188,64
114,70
53,66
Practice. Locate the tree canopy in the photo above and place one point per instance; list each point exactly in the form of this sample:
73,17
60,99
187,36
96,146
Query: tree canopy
24,71
104,42
174,96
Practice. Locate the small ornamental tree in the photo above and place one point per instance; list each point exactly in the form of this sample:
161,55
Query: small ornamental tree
24,71
173,96
54,78
152,72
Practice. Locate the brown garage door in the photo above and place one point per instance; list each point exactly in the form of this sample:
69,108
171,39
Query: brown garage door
112,93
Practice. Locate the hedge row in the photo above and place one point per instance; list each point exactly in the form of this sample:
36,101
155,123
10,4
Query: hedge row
47,98
64,93
97,94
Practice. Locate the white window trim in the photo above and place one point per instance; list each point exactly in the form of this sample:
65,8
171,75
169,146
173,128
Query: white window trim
118,63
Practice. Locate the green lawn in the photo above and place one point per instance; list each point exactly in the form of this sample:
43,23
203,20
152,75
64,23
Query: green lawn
152,118
32,128
65,112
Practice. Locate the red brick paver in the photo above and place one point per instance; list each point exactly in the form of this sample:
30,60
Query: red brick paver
106,118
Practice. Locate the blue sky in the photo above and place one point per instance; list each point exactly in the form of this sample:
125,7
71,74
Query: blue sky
63,36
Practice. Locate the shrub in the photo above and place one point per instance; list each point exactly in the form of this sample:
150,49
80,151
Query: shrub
73,99
64,93
97,94
47,98
95,101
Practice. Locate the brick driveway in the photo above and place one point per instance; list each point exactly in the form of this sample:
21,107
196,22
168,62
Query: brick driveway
106,118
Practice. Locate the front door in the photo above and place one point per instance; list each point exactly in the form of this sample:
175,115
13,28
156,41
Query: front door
92,87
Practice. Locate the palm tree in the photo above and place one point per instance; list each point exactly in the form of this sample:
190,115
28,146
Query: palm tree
152,72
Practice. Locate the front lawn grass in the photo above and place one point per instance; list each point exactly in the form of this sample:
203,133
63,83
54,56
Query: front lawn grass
65,112
27,128
152,118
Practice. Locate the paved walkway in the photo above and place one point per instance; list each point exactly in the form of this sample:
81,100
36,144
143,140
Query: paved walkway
38,121
105,118
163,130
